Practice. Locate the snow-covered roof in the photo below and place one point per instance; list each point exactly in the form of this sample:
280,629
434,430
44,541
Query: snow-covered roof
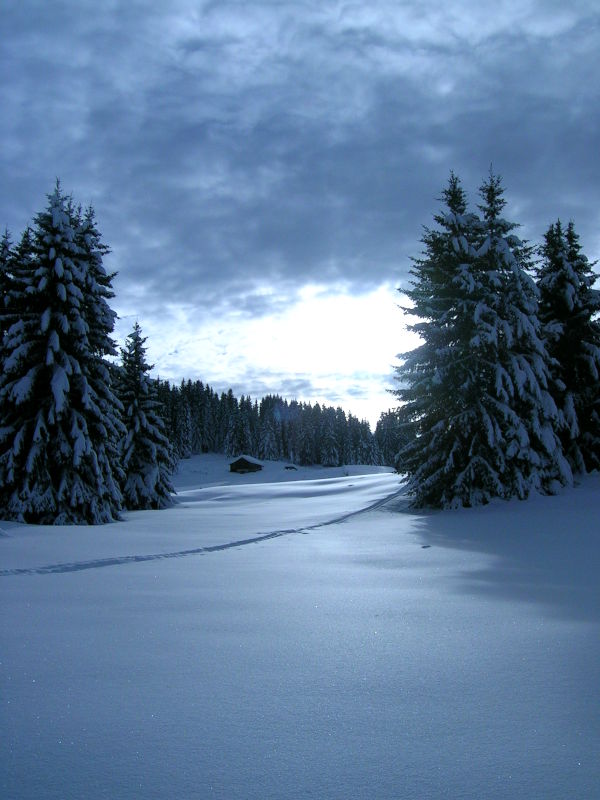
248,459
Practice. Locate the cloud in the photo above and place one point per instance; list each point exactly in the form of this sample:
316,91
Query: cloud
291,142
237,152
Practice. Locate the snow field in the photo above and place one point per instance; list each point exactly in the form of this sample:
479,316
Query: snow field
227,509
345,661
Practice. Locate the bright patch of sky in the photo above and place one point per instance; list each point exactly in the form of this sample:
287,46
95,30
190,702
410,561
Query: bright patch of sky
334,348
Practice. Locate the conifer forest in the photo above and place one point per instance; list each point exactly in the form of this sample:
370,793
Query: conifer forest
500,399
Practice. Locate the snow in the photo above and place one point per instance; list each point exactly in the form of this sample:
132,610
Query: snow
267,638
21,390
249,459
60,387
213,470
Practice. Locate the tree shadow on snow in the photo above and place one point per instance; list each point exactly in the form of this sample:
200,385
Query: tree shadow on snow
544,550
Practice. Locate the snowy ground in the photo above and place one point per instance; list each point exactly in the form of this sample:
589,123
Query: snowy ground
271,641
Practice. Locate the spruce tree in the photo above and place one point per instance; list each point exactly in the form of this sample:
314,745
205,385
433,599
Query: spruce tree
304,444
476,405
527,417
568,312
390,438
209,423
6,257
440,416
54,461
268,448
100,320
99,316
329,455
16,269
198,412
182,441
368,452
147,456
236,440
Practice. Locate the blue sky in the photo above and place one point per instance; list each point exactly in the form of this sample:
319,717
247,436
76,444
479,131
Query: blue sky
262,170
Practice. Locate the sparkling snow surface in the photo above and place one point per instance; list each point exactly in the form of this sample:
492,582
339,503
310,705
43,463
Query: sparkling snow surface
385,656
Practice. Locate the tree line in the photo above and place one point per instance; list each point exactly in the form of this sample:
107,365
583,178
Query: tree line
85,432
199,420
502,398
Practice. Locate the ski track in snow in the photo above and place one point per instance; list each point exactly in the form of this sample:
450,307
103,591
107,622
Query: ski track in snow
78,566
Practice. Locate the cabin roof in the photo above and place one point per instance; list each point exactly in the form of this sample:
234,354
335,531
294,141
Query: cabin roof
248,459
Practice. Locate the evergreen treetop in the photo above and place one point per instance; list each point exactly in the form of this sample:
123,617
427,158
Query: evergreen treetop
568,311
146,453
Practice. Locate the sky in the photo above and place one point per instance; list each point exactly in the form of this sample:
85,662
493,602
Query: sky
262,170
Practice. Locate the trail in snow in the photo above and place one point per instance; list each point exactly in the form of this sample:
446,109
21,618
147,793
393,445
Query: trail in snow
79,566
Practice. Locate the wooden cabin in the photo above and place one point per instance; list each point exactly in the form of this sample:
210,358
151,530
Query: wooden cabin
244,464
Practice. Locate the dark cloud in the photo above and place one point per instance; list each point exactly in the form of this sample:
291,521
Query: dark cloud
237,151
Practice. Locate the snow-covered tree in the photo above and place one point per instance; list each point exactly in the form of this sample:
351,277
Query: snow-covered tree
6,247
568,312
15,265
342,434
198,412
238,439
475,400
55,454
147,456
210,421
268,447
329,451
100,320
303,451
99,316
368,452
533,459
390,438
182,442
436,377
6,257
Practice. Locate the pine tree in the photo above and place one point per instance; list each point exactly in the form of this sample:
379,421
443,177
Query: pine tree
100,320
568,309
6,286
54,460
16,267
533,459
329,453
198,413
268,448
237,439
6,257
439,378
147,456
390,439
305,436
228,409
209,424
342,433
182,442
476,406
367,448
99,316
